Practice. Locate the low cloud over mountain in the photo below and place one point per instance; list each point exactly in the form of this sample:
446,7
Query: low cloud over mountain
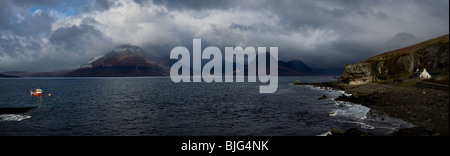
38,35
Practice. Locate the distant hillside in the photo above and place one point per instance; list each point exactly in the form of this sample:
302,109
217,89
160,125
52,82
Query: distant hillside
14,73
402,63
59,73
5,76
133,61
293,68
290,68
123,61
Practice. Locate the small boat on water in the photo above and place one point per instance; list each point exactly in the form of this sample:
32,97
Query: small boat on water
20,110
37,92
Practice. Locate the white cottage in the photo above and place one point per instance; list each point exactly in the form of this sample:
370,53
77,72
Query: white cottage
422,74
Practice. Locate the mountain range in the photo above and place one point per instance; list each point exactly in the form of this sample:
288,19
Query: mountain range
133,61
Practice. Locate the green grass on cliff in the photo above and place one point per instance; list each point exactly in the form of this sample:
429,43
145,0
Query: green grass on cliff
409,49
393,67
440,76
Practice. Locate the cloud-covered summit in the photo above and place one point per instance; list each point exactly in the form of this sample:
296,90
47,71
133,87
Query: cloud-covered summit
48,35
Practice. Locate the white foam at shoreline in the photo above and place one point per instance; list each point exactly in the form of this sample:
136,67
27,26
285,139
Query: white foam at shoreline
361,124
358,114
329,89
14,117
325,134
343,92
351,110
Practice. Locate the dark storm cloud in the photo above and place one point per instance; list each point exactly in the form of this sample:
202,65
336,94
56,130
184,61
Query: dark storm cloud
255,28
401,39
197,4
27,38
34,2
11,11
293,13
38,23
322,33
95,5
435,8
4,14
19,34
294,17
75,38
103,4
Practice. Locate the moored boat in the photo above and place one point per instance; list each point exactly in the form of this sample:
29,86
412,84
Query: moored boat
37,92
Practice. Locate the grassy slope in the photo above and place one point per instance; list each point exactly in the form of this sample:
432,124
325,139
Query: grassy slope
409,49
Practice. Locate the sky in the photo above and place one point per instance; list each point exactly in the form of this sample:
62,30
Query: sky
49,35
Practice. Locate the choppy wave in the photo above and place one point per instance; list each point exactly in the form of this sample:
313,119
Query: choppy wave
325,134
343,93
346,109
336,92
362,125
347,112
351,110
13,117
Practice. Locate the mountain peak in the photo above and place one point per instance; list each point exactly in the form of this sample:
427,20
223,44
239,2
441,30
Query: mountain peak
294,67
123,60
126,49
127,46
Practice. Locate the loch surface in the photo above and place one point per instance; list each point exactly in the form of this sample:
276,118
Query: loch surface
156,106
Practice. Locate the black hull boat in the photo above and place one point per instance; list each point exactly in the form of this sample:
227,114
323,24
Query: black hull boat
18,110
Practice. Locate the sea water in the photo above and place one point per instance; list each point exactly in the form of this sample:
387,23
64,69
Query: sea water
156,106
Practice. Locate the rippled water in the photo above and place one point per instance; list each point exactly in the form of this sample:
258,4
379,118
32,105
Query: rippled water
157,106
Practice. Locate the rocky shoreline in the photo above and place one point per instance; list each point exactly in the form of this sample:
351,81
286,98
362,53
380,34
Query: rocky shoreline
426,108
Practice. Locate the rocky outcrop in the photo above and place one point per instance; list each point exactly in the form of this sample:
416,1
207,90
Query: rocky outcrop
400,64
358,73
